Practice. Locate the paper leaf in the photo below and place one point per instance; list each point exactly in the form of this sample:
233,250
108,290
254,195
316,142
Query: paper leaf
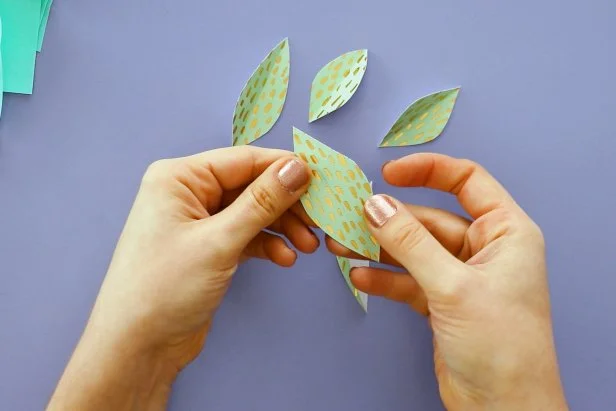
336,83
423,121
263,97
336,195
346,264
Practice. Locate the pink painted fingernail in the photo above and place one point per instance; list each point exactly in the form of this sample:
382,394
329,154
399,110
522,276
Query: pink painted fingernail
379,209
293,175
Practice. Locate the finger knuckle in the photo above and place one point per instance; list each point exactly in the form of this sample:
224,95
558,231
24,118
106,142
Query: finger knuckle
454,287
158,170
409,235
264,200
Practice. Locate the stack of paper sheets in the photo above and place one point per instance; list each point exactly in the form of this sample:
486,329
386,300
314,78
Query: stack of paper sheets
22,25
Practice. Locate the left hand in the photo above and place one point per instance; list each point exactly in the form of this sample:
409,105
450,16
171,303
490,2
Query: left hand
194,220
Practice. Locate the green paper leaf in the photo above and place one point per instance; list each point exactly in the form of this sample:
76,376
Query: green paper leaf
336,83
263,97
45,9
1,76
423,121
336,195
20,22
346,264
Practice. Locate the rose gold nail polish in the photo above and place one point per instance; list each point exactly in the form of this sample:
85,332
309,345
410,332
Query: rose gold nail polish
293,175
379,209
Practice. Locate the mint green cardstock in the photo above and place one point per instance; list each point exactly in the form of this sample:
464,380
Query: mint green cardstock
346,265
336,195
263,97
20,21
336,82
45,9
423,121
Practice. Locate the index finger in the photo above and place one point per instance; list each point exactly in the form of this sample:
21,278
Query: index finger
477,191
235,167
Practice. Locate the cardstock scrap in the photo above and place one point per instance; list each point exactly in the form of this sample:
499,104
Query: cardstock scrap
20,20
336,82
346,265
45,9
336,195
1,77
263,97
423,121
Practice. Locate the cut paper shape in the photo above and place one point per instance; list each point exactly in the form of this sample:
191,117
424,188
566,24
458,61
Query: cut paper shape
1,77
263,97
336,82
346,265
20,21
45,9
336,195
423,121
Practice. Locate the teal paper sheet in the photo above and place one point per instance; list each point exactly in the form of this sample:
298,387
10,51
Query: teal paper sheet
21,20
1,81
45,9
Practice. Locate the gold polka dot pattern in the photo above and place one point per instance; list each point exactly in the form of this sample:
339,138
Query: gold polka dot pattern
336,83
336,196
423,121
263,97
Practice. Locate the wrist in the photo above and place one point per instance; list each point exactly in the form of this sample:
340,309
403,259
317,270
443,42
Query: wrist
113,371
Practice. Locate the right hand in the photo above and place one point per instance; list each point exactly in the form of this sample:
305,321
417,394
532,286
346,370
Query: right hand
482,284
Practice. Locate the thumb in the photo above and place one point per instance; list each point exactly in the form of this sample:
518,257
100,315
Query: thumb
403,236
264,201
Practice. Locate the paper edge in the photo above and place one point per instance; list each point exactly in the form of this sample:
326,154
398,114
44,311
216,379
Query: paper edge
286,39
321,69
459,88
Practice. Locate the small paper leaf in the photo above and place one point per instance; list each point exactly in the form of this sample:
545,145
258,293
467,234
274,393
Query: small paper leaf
346,264
336,83
423,121
336,195
263,97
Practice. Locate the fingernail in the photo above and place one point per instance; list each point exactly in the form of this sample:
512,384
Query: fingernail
379,209
293,175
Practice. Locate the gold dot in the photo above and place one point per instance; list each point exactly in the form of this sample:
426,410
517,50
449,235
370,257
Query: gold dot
362,240
354,244
353,225
423,116
322,153
268,120
329,229
327,172
373,239
397,136
282,94
278,59
324,79
348,207
346,73
319,93
255,109
314,159
418,126
272,93
358,211
351,174
341,235
339,190
342,160
346,226
419,136
267,108
285,80
310,145
253,123
308,204
297,139
328,201
331,86
353,192
337,66
243,129
258,133
275,70
339,175
367,187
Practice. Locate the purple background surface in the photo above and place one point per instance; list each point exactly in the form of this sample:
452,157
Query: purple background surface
121,83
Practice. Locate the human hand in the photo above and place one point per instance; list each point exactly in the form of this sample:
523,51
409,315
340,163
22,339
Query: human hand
193,221
482,284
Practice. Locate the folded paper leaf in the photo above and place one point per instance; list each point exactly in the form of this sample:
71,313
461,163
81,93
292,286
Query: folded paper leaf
263,97
423,121
346,264
45,9
336,195
336,83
